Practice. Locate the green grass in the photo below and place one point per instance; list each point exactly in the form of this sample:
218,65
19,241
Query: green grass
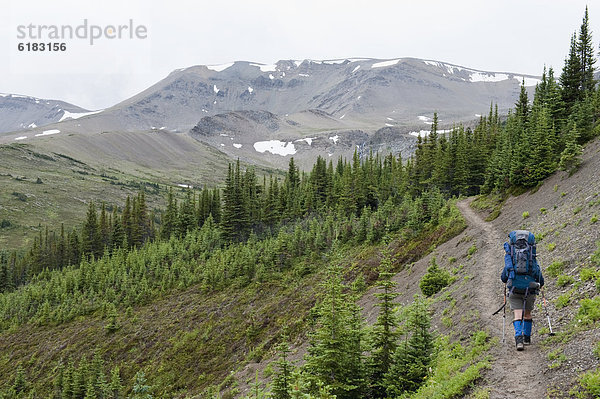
557,357
555,268
472,249
563,300
587,274
492,203
564,279
457,367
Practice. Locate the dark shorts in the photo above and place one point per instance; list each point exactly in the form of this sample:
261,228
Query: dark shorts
516,301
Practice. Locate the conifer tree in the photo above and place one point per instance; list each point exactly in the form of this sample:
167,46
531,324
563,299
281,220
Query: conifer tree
282,381
334,357
570,158
413,356
115,386
20,384
140,388
90,235
103,227
570,79
169,220
585,52
384,334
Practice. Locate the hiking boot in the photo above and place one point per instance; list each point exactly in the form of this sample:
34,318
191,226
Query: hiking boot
519,342
527,339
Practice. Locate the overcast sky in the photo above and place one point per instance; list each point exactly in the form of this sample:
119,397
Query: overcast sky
502,36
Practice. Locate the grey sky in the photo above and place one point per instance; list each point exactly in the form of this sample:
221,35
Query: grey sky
508,35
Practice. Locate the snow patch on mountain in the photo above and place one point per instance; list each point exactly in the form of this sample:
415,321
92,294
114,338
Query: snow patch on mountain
334,139
385,63
275,147
220,67
77,115
308,140
48,132
266,67
487,77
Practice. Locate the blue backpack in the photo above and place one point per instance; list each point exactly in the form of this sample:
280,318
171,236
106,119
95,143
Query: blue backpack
525,266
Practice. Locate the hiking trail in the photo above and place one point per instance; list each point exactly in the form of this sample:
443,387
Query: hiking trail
512,374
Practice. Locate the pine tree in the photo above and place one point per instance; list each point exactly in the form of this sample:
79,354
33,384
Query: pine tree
90,234
334,356
20,384
570,158
126,222
103,227
282,381
585,52
384,330
115,386
169,220
413,356
570,79
140,388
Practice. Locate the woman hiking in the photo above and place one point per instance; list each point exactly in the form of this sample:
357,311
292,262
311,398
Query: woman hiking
523,278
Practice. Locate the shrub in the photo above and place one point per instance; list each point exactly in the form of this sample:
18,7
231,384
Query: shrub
543,211
589,310
20,196
577,210
555,268
587,274
564,279
596,255
434,280
4,223
563,300
452,259
551,246
594,219
525,214
563,194
597,349
472,250
590,382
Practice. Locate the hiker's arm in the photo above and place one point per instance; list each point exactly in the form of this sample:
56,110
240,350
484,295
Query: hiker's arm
540,278
508,265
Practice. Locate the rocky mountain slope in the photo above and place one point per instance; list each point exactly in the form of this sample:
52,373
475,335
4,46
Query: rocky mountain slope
368,92
19,112
263,114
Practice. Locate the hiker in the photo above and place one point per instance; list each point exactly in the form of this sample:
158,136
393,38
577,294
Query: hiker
523,278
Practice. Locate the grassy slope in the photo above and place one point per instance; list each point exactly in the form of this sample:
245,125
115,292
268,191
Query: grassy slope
190,340
67,187
75,170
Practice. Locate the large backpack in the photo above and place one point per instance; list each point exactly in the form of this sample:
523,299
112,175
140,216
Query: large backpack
522,252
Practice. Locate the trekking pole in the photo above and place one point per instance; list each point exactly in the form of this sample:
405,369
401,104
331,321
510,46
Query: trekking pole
547,314
503,307
504,316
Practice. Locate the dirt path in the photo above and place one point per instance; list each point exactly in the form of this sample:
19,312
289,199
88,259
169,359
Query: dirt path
513,374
